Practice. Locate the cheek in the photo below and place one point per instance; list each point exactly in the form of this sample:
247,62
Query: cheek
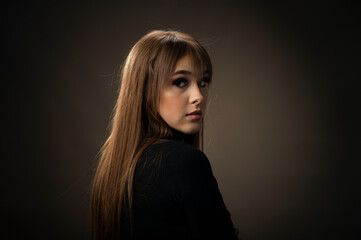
170,106
178,103
171,101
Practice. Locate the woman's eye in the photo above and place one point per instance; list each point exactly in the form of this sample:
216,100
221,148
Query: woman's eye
203,82
180,82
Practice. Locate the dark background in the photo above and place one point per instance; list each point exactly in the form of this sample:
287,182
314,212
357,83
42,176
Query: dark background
283,127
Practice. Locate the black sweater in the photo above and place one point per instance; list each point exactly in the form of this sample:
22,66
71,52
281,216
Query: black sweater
175,196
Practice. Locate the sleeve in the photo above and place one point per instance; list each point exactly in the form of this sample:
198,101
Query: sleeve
197,191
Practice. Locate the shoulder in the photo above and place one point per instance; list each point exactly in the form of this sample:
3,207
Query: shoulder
181,161
177,152
172,145
175,157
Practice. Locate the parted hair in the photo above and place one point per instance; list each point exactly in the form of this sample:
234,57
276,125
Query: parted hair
136,123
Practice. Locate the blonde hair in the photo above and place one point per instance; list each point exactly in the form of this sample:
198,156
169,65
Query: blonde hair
136,123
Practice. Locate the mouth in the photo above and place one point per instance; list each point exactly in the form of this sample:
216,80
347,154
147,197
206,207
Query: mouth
195,115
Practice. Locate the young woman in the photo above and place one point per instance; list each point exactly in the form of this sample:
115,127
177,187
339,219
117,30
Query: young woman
152,182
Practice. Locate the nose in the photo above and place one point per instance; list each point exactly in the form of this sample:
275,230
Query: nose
196,96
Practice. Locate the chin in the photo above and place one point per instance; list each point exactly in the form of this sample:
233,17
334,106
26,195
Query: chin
188,129
191,130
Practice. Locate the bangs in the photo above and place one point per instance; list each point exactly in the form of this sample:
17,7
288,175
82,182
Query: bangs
200,60
173,49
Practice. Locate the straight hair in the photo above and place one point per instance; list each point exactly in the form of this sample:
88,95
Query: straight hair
136,123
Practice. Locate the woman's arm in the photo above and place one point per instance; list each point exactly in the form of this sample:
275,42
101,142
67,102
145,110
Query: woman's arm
196,189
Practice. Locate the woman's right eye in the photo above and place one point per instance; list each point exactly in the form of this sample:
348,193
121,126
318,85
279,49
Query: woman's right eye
180,82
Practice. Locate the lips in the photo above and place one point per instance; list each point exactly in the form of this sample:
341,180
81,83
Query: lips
196,112
195,115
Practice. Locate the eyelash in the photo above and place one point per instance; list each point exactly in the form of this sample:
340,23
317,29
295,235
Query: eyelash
206,81
178,82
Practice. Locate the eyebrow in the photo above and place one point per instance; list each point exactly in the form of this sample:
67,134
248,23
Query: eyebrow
182,72
185,72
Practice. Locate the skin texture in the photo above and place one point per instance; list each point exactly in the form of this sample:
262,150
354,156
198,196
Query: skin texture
185,92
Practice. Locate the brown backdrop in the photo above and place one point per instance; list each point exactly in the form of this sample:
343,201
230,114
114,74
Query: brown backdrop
282,131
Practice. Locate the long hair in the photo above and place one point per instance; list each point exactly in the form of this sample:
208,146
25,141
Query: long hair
136,123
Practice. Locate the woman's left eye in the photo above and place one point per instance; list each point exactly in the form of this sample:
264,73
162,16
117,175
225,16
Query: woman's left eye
203,82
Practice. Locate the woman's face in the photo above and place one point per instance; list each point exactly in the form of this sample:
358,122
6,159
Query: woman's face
183,99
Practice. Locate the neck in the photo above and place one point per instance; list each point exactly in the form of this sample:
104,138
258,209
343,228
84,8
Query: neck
180,136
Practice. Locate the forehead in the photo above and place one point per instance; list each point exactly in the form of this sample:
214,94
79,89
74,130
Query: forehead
187,63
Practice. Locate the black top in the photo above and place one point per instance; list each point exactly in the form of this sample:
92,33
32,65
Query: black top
175,196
